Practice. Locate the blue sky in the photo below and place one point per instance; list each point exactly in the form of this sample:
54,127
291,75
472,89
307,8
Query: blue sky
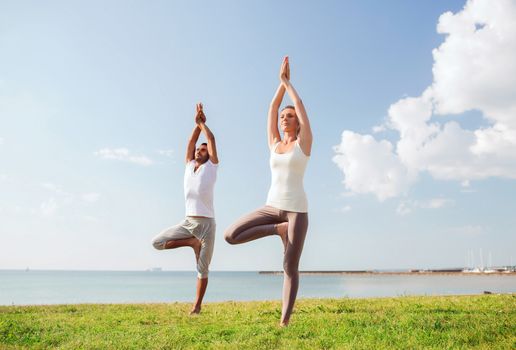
97,102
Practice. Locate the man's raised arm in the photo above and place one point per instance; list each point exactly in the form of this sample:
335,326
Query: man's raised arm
212,147
190,148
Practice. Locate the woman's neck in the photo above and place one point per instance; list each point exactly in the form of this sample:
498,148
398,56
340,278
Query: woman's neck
289,137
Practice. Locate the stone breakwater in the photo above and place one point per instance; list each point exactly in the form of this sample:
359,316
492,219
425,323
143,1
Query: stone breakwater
410,272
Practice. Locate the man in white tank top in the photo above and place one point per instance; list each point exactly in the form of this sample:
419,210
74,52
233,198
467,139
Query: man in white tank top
197,230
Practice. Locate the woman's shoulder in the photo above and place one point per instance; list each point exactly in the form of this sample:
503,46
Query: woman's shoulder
274,145
305,149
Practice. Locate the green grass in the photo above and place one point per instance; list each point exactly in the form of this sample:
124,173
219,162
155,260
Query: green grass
484,322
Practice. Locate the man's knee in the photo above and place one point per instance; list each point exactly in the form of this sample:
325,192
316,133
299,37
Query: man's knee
158,244
203,265
202,274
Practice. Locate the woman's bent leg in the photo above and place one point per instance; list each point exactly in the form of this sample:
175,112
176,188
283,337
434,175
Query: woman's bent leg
257,224
297,227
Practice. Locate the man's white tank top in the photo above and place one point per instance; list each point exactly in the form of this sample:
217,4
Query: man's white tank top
287,170
199,189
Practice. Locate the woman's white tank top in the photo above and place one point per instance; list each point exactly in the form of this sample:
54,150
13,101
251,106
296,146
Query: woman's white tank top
287,170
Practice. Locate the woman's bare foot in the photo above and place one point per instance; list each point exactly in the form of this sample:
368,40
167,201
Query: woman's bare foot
196,310
283,233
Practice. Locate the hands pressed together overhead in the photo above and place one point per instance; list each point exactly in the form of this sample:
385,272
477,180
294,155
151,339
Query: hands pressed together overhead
200,118
201,127
285,71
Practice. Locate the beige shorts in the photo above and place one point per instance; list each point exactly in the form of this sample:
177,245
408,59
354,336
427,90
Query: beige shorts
201,228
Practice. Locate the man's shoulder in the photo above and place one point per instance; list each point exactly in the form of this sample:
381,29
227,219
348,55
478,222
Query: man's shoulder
210,163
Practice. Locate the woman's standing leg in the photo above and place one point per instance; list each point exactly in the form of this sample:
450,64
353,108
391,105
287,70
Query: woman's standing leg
297,227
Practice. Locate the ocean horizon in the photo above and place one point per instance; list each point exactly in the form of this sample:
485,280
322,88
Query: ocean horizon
38,287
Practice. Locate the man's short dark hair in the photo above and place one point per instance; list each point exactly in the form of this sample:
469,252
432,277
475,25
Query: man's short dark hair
205,144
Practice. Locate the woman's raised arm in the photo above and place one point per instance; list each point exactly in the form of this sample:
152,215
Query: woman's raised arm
273,135
305,132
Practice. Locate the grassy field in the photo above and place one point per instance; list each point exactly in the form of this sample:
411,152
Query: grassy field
484,322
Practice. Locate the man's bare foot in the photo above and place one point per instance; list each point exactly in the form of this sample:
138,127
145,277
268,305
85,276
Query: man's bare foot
197,248
196,310
284,323
283,233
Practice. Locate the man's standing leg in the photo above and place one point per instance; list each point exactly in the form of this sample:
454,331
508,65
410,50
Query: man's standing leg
207,240
202,284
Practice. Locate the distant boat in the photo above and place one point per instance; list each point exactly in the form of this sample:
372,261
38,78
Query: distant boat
472,270
470,261
155,269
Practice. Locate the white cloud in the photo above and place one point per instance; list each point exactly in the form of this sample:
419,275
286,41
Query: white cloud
62,200
473,70
49,186
166,152
408,206
64,196
436,203
123,154
1,140
90,197
379,128
53,187
404,208
10,208
371,166
345,209
48,208
466,187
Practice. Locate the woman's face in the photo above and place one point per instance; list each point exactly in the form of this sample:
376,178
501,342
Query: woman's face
288,120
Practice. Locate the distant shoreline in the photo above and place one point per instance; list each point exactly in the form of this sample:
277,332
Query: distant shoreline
304,272
418,272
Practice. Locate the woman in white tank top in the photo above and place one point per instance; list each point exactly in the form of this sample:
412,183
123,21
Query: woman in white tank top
286,211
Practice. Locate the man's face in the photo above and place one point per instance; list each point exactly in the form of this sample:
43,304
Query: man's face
201,154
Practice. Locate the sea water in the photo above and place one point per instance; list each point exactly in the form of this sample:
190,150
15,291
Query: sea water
67,287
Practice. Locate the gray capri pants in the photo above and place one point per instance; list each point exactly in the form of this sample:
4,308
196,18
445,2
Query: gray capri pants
199,227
